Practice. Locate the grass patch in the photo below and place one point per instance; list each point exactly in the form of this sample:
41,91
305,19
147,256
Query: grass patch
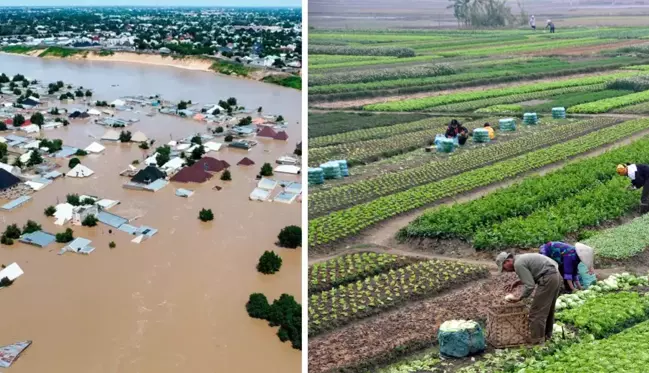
61,52
291,81
18,49
229,68
105,53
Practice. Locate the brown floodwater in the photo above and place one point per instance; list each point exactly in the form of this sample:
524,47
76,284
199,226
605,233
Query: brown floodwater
176,302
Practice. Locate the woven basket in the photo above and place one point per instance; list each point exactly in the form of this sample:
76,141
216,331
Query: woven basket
508,326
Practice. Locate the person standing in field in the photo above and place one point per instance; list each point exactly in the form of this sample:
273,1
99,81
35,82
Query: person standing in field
540,272
551,26
533,23
639,175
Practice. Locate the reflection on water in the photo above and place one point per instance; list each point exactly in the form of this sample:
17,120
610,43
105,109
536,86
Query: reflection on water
175,303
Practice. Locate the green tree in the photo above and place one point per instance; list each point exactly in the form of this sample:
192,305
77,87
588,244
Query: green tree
197,139
81,152
198,152
290,237
226,176
125,136
258,306
266,170
232,101
12,231
73,162
38,119
218,129
144,146
65,123
260,109
34,158
269,263
5,241
206,215
18,120
31,227
245,121
182,105
73,199
90,221
88,93
50,211
54,111
279,118
228,138
18,163
65,237
112,244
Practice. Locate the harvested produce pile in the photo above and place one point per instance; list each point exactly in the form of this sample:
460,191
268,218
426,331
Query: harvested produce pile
352,267
392,334
346,303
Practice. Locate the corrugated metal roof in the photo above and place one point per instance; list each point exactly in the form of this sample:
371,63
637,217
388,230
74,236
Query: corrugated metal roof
38,238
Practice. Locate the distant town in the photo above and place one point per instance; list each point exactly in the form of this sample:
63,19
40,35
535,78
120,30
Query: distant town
257,38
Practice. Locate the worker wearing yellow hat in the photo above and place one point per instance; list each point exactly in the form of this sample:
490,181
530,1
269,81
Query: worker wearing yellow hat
639,175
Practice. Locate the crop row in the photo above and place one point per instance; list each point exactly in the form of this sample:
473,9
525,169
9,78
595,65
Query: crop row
379,75
608,104
462,220
516,98
338,122
526,47
419,76
623,352
344,223
325,59
365,51
352,267
428,102
341,305
622,242
590,207
642,108
368,63
376,132
372,150
346,195
608,314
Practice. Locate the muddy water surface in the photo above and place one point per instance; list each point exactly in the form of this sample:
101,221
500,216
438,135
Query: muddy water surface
174,303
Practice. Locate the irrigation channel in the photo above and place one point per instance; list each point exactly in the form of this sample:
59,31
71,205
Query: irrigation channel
175,302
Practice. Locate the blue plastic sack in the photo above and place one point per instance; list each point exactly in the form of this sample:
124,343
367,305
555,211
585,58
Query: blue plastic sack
462,342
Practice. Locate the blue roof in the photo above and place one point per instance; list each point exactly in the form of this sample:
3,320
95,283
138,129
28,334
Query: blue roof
78,244
65,152
16,138
128,228
52,175
157,185
38,238
111,219
16,202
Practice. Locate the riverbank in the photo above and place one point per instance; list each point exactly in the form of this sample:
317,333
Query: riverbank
187,63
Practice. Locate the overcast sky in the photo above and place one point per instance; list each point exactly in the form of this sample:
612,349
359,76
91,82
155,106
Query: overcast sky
243,3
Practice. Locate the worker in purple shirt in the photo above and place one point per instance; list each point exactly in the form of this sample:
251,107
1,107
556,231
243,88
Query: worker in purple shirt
566,257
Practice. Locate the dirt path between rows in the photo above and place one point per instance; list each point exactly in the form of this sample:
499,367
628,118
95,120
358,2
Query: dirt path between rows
376,100
383,234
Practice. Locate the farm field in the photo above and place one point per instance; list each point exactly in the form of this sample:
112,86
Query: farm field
405,238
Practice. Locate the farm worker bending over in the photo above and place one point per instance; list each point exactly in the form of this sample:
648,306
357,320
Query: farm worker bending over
455,129
551,26
566,257
489,129
542,272
639,175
